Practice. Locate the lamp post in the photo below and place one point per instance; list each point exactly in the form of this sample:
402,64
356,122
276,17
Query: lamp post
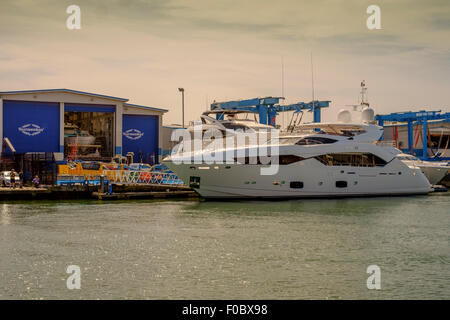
182,104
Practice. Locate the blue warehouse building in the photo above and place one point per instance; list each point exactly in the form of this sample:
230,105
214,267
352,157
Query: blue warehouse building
81,125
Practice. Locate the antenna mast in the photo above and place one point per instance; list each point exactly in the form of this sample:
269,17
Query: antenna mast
312,76
282,76
282,87
364,94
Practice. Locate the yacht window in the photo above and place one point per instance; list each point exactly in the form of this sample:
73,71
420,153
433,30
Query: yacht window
235,126
341,184
288,159
194,182
283,141
407,158
352,132
283,159
296,184
315,140
351,159
347,133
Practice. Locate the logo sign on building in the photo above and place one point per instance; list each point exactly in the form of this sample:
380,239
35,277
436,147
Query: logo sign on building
133,134
140,136
30,129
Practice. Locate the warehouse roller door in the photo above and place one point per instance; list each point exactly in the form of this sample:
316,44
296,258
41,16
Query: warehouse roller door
140,136
31,126
88,131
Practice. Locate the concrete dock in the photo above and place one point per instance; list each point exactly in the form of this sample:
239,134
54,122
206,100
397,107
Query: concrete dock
145,195
24,193
89,192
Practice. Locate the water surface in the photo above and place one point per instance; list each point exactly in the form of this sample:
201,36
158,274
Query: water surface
299,249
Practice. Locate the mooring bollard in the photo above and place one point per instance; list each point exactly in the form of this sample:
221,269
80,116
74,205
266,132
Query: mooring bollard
102,183
102,187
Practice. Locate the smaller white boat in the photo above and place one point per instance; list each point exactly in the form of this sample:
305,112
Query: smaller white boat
435,171
75,136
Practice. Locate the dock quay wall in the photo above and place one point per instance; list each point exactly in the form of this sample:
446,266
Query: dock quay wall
88,192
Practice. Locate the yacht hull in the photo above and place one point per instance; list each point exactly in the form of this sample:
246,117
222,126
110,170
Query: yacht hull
305,179
434,174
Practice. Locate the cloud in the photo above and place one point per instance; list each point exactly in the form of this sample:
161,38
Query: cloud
229,49
440,23
369,44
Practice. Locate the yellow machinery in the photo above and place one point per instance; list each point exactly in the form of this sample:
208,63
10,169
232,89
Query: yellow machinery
87,169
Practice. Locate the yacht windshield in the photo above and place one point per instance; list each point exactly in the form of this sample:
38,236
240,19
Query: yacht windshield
305,141
332,130
407,158
235,126
315,140
283,140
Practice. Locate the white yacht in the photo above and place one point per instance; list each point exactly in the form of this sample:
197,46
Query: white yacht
317,160
74,135
435,171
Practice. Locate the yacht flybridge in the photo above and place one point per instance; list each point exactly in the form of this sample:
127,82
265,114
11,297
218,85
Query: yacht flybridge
229,121
227,124
363,132
315,160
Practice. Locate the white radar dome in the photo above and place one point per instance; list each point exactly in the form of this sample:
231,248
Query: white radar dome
368,115
344,116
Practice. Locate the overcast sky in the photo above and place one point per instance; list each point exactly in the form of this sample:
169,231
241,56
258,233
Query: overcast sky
228,49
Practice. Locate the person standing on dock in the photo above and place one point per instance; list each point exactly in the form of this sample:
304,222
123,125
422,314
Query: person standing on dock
21,179
12,178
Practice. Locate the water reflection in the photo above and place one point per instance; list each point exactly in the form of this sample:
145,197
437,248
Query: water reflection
299,249
308,206
5,217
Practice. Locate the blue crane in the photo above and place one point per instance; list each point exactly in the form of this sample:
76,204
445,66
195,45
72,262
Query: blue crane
268,108
415,118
